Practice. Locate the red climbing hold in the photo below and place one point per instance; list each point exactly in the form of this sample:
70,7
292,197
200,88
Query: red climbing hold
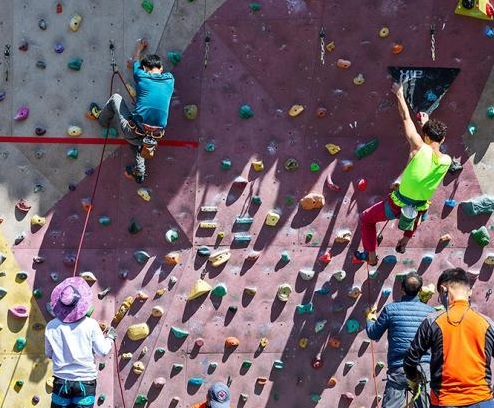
362,185
59,8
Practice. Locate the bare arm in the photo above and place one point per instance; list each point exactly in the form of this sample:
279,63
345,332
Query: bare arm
141,45
411,133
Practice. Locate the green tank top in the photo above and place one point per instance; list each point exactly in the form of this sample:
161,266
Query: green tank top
421,178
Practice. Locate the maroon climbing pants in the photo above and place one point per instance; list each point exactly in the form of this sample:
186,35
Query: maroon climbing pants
376,213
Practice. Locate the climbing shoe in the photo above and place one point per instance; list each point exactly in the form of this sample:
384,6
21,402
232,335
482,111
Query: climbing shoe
363,256
131,173
94,111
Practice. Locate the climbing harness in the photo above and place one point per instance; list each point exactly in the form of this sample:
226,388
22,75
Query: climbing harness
433,42
322,36
6,58
422,387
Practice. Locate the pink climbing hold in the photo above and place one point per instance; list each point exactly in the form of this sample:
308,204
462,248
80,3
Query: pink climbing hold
19,312
22,113
22,205
362,185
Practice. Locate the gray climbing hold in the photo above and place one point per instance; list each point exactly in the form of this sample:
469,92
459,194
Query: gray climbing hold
478,205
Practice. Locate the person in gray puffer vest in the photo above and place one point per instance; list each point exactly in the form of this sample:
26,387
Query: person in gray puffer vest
401,319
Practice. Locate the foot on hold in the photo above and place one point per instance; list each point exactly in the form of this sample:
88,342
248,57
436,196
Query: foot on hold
94,111
401,246
363,256
131,173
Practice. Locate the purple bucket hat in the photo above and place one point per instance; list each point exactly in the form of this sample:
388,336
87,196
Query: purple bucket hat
71,299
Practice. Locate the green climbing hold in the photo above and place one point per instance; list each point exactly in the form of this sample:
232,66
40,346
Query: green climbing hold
256,200
160,351
20,343
305,308
104,220
110,132
73,153
37,293
196,381
210,147
204,250
177,367
190,112
481,236
141,257
148,6
179,333
134,226
478,205
174,57
75,63
141,399
285,257
291,164
246,363
314,167
289,200
101,398
255,7
226,164
219,290
19,383
315,397
101,366
490,112
352,326
245,112
472,129
365,149
278,364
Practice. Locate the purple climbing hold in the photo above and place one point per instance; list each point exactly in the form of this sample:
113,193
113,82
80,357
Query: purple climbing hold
59,48
40,131
22,113
3,94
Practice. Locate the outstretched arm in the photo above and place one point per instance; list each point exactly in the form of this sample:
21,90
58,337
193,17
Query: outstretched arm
411,133
141,45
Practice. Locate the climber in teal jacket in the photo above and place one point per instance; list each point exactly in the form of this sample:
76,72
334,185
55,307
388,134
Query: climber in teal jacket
401,320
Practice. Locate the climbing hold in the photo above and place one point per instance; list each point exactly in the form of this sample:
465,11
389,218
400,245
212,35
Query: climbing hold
315,397
232,342
142,296
257,165
386,292
479,205
140,399
73,153
291,164
352,326
173,258
330,46
295,110
101,399
490,112
244,220
144,194
347,165
321,112
303,342
74,131
20,343
157,311
472,129
481,236
179,333
35,399
141,257
190,112
362,185
220,257
332,148
284,292
390,259
159,382
317,362
19,312
3,94
278,364
312,201
58,48
272,218
246,363
380,364
210,147
263,343
285,257
450,203
199,342
397,48
3,292
219,290
39,131
196,381
262,380
19,383
244,397
365,149
88,276
201,287
75,63
123,309
489,259
24,46
428,258
306,274
340,275
253,255
255,7
148,6
359,79
305,308
75,22
138,331
103,293
42,24
38,220
2,258
138,367
126,356
320,325
343,63
363,380
40,64
208,224
54,276
204,251
332,382
226,164
334,342
426,292
343,237
171,235
22,113
384,32
245,112
256,200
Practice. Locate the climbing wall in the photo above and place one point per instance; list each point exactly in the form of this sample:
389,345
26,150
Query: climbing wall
215,267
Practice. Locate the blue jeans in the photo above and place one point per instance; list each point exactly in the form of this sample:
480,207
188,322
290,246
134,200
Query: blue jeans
483,404
395,393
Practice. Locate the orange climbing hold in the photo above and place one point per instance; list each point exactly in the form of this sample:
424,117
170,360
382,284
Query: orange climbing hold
397,48
232,342
343,63
173,258
312,201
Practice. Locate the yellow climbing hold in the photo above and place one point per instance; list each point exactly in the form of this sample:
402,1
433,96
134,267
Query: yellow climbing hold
257,165
75,22
201,287
157,311
38,220
219,257
359,79
272,218
384,32
332,148
144,194
303,342
295,110
138,331
330,46
88,277
74,131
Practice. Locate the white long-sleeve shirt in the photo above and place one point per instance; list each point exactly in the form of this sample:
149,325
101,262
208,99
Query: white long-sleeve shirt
72,346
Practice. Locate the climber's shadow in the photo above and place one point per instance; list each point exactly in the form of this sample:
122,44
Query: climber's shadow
276,308
473,252
175,343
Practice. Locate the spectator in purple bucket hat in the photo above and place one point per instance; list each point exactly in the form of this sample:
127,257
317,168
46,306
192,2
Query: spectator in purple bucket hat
72,339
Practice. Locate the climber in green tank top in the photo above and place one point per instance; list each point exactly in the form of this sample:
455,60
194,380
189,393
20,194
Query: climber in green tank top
423,174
